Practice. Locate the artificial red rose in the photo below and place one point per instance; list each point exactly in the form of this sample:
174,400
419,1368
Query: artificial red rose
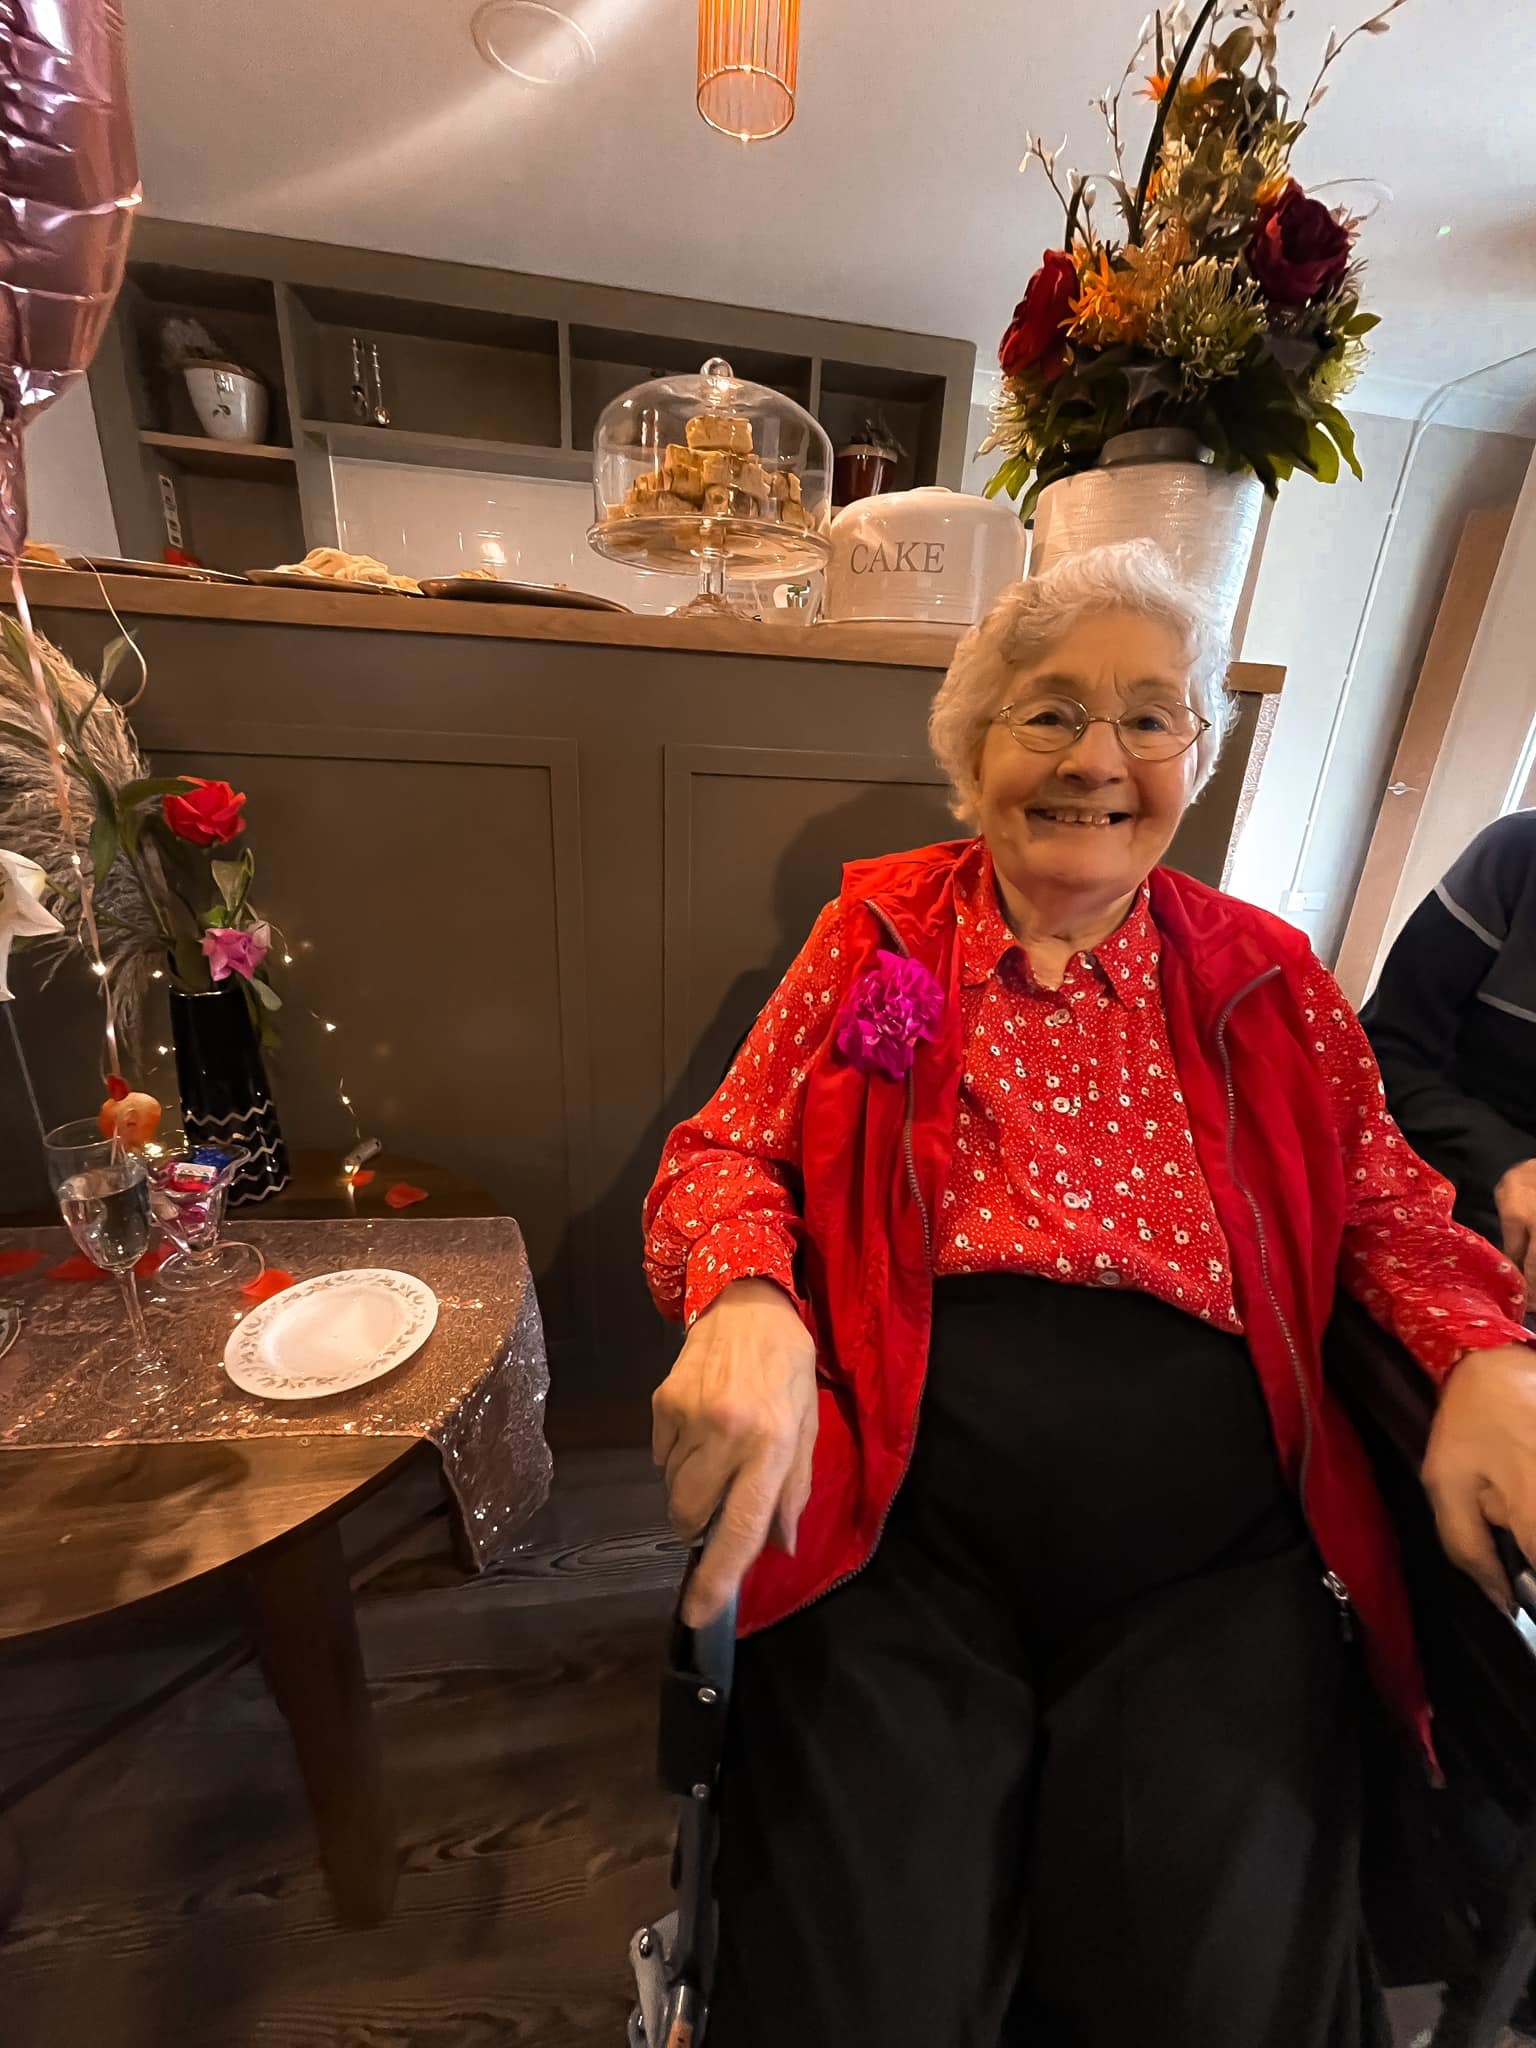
1299,252
1035,337
209,815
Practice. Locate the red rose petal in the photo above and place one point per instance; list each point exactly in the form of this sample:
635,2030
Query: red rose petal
273,1281
362,1177
153,1260
78,1268
402,1195
21,1261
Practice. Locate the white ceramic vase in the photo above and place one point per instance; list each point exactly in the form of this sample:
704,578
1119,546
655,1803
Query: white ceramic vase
1152,485
230,402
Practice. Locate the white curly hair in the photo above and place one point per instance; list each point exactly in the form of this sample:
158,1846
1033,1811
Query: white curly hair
1031,617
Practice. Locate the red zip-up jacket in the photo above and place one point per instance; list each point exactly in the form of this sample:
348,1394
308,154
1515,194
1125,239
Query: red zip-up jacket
875,1159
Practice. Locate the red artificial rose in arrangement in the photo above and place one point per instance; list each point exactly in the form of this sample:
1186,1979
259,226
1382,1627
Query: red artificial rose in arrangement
1299,252
1035,339
209,815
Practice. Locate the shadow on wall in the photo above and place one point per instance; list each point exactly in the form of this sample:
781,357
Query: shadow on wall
806,878
59,1023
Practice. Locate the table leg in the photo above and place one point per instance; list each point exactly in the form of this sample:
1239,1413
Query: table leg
306,1631
10,1874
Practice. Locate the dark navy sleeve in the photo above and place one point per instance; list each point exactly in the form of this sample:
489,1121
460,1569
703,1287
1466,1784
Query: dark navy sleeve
1440,961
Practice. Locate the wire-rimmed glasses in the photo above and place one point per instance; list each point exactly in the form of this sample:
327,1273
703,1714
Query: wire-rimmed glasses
1158,731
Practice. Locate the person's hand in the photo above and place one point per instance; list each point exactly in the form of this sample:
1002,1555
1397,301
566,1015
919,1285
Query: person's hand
735,1426
1480,1467
1515,1196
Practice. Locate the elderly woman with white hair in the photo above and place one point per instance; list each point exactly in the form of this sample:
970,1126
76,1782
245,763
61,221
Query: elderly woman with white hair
1005,1251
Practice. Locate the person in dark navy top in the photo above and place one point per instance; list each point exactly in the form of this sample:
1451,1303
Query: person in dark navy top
1453,1025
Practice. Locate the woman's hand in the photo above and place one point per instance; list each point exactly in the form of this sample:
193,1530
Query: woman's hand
1515,1197
735,1423
1480,1467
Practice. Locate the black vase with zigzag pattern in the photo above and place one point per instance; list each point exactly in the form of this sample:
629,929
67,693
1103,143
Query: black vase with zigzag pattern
225,1100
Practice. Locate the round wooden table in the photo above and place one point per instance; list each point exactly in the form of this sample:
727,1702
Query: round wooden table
86,1533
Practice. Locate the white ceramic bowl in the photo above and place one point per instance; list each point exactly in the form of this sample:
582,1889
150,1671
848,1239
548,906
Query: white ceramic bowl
925,557
230,402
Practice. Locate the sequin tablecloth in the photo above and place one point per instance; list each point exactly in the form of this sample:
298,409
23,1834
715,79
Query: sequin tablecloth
476,1389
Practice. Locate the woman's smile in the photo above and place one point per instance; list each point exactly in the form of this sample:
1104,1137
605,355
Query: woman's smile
1051,817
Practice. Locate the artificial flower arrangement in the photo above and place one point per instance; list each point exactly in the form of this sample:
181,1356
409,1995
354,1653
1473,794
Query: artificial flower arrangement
169,893
1225,301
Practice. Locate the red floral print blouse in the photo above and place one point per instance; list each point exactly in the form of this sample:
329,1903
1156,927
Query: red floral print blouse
1073,1154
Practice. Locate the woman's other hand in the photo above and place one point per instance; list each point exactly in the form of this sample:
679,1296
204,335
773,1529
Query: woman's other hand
1480,1467
1515,1196
734,1429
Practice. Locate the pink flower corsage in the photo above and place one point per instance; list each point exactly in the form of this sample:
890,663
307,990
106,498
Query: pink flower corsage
888,1010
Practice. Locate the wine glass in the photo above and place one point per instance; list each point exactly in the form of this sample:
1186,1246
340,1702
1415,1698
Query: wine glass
107,1210
188,1187
70,1148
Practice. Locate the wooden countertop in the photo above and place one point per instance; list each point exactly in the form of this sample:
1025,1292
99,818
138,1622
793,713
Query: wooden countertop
894,646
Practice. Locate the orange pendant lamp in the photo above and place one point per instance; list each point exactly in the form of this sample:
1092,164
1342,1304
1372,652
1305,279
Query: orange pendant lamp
749,57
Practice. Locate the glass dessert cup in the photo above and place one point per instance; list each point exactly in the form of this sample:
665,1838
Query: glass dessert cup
188,1188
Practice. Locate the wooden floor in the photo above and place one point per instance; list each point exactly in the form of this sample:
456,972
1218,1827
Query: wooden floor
171,1897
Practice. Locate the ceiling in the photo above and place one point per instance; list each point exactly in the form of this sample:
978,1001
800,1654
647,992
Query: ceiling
894,198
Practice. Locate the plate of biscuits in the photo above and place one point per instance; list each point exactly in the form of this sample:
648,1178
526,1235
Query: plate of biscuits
336,569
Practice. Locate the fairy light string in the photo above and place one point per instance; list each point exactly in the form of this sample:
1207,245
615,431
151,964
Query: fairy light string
327,1025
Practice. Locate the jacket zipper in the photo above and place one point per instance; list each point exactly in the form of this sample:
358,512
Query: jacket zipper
899,945
1332,1583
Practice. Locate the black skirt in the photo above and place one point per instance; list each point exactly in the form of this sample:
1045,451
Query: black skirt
1074,1760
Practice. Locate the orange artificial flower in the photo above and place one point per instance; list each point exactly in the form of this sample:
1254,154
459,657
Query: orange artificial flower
1156,87
1107,306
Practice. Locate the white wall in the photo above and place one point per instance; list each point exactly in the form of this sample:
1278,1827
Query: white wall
1311,591
66,484
1490,727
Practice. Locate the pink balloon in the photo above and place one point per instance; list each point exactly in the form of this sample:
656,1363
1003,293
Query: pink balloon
71,184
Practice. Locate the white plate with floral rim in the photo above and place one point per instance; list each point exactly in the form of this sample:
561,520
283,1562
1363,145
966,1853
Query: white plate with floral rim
330,1334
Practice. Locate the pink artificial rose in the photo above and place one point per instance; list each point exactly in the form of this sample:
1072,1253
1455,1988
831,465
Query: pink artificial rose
887,1011
234,952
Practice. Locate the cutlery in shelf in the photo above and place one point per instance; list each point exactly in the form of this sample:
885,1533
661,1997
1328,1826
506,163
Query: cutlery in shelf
361,409
380,409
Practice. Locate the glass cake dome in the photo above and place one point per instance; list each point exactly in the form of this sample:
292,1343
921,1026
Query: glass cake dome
711,475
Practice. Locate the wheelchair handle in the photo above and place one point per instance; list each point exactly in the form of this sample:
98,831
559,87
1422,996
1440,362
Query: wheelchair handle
713,1646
